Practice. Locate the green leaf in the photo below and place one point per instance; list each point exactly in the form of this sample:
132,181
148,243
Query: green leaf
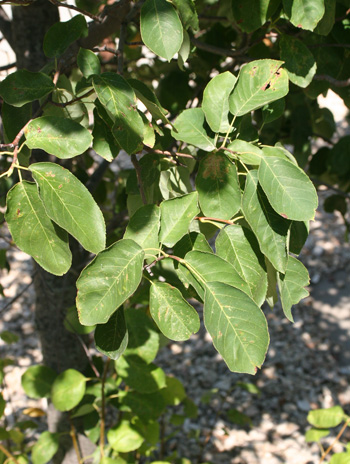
62,34
315,435
119,99
45,448
189,128
69,203
9,337
291,285
23,87
176,318
37,381
185,50
140,376
215,101
143,335
340,458
188,14
88,63
239,247
112,338
245,151
299,61
270,229
61,137
271,295
34,232
207,267
251,15
68,390
161,28
288,189
124,437
143,228
2,407
237,326
176,217
259,82
304,14
149,99
326,418
108,281
217,186
175,182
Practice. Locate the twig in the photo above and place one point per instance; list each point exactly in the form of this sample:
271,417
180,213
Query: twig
147,267
330,447
15,298
133,44
75,100
122,37
73,435
332,80
8,66
330,187
136,164
75,8
103,408
204,219
168,153
106,49
8,454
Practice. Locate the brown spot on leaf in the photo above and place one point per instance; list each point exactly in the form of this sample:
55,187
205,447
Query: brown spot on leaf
284,215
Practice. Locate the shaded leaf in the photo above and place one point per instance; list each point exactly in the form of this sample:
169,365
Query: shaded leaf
161,28
175,182
69,203
259,82
273,111
238,246
188,14
88,63
149,99
217,186
68,390
24,86
174,393
192,241
176,318
61,137
112,338
326,418
147,406
270,229
119,99
271,295
299,61
34,232
299,232
304,14
291,285
215,101
104,143
176,217
37,381
326,24
108,281
237,325
143,335
251,15
62,34
189,128
139,375
288,189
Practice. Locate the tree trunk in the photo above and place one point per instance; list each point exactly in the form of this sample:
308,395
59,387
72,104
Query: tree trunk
54,295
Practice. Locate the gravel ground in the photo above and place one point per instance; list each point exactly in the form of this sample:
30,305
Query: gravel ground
307,365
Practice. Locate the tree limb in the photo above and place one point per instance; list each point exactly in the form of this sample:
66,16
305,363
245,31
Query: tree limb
5,25
332,80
